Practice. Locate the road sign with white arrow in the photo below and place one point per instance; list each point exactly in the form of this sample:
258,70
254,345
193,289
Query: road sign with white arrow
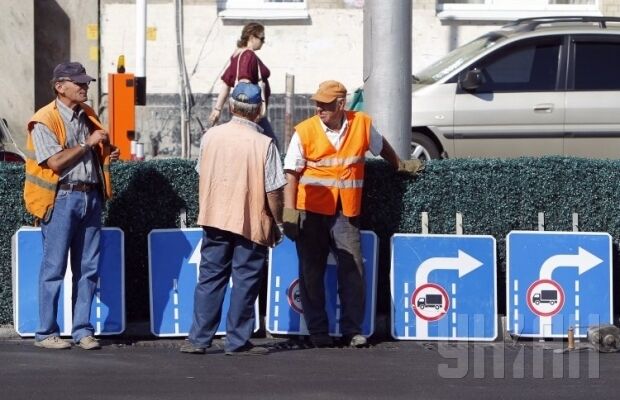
284,309
174,260
557,280
108,308
443,287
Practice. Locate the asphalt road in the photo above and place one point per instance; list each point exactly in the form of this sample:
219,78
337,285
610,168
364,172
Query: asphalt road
386,370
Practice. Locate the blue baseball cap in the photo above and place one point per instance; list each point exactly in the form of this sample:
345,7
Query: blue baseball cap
247,93
73,71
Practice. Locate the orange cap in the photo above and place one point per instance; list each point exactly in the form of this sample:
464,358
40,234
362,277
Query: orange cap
330,91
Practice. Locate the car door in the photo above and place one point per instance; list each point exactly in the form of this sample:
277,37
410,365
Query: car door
518,109
593,97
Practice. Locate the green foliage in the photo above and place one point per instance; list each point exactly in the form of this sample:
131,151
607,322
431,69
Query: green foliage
494,196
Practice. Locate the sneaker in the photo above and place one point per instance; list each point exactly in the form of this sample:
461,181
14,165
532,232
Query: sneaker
53,342
89,343
248,350
321,340
191,348
358,341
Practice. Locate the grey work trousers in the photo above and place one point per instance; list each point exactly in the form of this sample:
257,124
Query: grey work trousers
318,235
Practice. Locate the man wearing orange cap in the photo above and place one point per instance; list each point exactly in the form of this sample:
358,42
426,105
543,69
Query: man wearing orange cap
324,167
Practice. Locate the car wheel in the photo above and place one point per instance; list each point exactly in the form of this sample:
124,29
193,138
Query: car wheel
423,147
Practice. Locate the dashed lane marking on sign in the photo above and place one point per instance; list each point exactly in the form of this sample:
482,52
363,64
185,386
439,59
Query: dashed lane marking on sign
175,304
98,307
515,285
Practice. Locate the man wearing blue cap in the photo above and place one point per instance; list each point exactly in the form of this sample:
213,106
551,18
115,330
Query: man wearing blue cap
240,203
67,181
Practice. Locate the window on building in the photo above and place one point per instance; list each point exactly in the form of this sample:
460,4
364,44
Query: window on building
263,9
500,10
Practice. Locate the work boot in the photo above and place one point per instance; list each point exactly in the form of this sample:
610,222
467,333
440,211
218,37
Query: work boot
358,341
53,342
89,343
321,340
190,348
248,350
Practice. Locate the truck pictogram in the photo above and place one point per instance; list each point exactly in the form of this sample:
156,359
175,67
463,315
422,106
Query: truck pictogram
545,296
430,300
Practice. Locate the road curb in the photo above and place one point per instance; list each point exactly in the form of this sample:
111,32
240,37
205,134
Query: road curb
8,332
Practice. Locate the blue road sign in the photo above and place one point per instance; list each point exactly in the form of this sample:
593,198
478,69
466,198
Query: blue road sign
443,287
284,310
557,280
174,260
108,310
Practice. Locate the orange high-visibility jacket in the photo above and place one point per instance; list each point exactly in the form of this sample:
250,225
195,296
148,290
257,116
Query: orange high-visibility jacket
331,173
41,182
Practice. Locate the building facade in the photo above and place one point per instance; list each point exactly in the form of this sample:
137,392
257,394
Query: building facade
312,40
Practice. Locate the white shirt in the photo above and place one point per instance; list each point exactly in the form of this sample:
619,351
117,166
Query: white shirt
295,159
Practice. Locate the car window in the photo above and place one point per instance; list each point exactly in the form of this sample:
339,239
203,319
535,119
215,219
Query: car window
596,65
457,57
521,67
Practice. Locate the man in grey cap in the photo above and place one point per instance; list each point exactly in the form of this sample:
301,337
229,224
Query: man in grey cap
240,201
67,180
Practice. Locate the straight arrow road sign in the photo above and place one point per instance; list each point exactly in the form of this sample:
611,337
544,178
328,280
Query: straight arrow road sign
174,262
108,308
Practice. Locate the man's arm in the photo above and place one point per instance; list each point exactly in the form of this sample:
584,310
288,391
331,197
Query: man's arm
290,216
290,191
389,155
67,157
275,200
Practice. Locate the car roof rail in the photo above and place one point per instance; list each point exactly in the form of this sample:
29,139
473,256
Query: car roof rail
529,24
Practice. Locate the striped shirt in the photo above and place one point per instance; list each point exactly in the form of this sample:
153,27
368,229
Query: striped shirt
46,144
274,175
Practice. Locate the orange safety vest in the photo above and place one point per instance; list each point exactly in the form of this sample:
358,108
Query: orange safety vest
329,173
41,182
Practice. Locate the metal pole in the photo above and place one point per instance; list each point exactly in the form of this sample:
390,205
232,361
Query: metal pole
288,109
140,76
387,70
185,120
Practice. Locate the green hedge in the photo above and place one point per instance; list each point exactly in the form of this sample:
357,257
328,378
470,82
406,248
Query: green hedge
494,196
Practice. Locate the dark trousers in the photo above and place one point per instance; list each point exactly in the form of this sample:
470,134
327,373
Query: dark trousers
224,254
318,235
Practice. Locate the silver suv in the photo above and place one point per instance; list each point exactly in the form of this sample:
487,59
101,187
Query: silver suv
538,86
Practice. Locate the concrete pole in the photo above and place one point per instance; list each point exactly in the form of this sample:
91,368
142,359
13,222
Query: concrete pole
140,75
289,108
387,70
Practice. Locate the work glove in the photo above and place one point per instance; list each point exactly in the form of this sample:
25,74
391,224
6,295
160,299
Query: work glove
290,223
411,167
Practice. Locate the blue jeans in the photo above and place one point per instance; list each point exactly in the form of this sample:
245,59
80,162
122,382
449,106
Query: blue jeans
224,254
318,235
75,225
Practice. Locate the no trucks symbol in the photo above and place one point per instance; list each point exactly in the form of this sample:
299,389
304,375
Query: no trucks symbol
294,299
545,297
430,302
